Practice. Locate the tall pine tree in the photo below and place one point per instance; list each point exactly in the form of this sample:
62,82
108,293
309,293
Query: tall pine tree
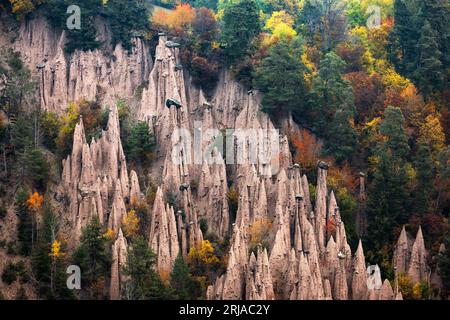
388,192
436,12
181,281
280,78
94,259
331,108
240,26
424,190
419,43
403,39
330,92
143,282
341,139
429,73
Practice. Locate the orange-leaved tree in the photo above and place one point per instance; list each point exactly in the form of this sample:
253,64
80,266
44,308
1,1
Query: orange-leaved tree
34,203
307,149
178,20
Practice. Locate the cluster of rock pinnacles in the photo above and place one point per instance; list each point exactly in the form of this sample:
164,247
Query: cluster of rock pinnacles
304,259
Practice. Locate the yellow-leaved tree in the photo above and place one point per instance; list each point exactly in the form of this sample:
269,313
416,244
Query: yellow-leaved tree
55,254
178,20
202,259
20,8
259,233
280,26
130,224
55,251
431,133
109,234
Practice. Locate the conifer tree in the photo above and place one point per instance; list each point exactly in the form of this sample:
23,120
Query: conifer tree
143,282
280,77
429,72
443,177
403,39
341,139
93,259
393,128
387,202
139,145
24,226
436,12
331,106
424,166
240,26
48,265
180,280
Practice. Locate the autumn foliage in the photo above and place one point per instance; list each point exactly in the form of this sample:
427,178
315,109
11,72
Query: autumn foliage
307,149
280,26
178,20
203,253
55,251
23,7
331,227
343,177
368,94
35,201
204,73
130,223
109,234
259,233
202,259
205,24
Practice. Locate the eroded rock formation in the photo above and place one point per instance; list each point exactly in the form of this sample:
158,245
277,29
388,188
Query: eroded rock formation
163,239
410,257
119,261
95,180
86,75
301,258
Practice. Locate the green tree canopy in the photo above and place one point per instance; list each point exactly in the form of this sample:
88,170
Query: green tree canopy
429,73
181,280
280,77
387,204
425,188
341,137
393,128
93,258
330,93
240,26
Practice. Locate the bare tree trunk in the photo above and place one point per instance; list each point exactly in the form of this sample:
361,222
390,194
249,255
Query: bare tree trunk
32,232
4,161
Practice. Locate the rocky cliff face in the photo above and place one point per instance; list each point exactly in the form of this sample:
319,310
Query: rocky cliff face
95,180
303,259
105,74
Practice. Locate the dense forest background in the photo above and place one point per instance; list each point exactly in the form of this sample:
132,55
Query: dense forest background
370,98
